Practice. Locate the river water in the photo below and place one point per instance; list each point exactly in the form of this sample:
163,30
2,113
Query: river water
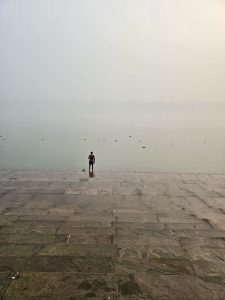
124,136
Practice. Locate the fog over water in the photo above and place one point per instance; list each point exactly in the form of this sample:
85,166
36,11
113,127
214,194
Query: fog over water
113,77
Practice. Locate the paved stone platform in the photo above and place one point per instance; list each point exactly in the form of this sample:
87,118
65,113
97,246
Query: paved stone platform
111,236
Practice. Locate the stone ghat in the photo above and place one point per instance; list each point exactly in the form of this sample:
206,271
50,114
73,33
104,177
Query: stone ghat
68,235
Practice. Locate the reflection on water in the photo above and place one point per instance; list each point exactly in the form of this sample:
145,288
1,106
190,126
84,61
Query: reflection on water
91,174
157,137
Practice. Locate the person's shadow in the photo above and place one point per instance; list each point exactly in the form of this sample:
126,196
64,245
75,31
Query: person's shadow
91,174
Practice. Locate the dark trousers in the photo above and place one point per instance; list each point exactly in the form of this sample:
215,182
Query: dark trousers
91,164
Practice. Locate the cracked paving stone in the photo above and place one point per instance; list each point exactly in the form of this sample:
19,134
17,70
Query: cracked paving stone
79,250
194,226
70,229
146,251
205,253
214,279
14,229
171,287
189,233
163,233
41,218
7,220
56,284
18,249
30,238
203,241
146,240
136,217
155,266
208,268
4,281
93,239
136,225
58,264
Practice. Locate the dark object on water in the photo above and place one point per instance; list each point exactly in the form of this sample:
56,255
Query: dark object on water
83,170
85,139
116,140
130,136
143,147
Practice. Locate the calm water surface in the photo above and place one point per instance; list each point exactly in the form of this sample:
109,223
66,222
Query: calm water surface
60,135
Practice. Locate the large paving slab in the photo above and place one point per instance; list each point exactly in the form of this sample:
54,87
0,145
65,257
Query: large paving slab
115,235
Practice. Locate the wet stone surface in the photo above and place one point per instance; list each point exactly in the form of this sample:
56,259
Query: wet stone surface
113,236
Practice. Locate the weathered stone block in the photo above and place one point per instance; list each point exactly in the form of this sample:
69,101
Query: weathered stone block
63,285
79,250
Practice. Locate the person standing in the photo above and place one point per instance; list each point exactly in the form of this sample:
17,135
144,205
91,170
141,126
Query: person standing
91,158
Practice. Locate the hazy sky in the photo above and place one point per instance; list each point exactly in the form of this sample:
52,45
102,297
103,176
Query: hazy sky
112,50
